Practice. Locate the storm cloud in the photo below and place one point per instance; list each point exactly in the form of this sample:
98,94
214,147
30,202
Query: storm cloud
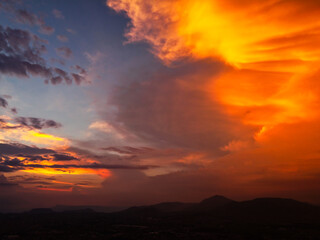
169,109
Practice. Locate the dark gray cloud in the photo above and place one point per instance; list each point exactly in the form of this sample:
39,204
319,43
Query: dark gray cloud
37,123
78,79
14,155
15,162
4,181
15,65
80,69
21,55
33,158
20,51
7,169
58,14
62,38
16,148
3,102
23,16
92,166
25,179
30,122
10,5
171,108
16,165
64,52
58,61
108,157
45,157
72,31
129,150
48,30
63,157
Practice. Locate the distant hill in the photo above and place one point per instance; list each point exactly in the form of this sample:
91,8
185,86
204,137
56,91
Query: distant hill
215,207
41,211
64,208
171,207
216,217
220,208
212,203
271,210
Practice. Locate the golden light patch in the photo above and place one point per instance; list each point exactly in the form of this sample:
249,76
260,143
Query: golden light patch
34,137
245,33
44,139
68,171
55,189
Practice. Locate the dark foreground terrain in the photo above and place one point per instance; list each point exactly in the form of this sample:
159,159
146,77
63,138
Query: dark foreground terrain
213,218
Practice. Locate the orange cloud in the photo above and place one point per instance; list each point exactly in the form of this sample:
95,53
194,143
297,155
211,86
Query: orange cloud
56,189
42,164
106,128
271,50
238,33
271,83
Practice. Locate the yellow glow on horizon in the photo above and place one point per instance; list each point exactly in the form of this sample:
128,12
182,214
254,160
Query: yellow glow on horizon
104,173
34,137
46,136
44,139
55,189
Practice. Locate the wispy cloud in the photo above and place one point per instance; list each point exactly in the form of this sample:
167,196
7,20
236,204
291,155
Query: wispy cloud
58,14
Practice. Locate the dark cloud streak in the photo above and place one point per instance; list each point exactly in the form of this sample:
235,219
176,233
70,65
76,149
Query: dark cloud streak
12,166
62,38
63,157
23,16
37,123
15,148
3,102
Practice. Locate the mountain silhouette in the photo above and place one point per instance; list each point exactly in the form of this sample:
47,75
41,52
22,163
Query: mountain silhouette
41,211
271,210
64,208
211,203
216,217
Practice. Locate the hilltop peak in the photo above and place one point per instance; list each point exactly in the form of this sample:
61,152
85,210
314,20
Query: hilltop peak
214,202
216,199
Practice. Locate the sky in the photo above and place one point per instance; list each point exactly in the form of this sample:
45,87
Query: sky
133,102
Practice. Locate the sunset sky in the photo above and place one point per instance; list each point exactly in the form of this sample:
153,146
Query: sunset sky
132,102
